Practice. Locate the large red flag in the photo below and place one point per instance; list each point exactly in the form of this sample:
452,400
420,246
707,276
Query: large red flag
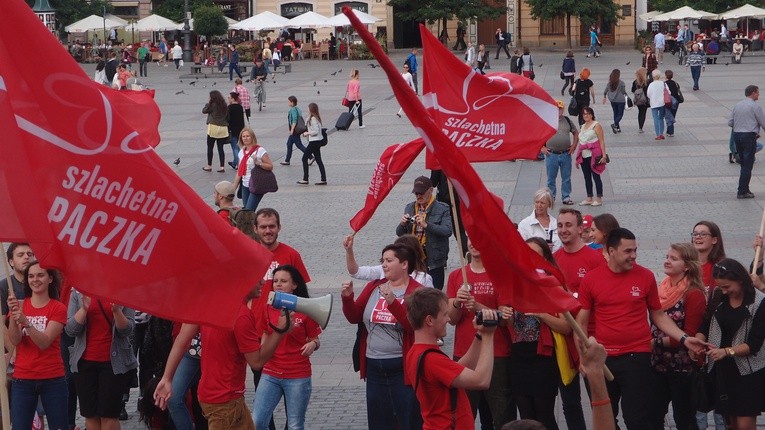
493,117
510,263
394,162
83,186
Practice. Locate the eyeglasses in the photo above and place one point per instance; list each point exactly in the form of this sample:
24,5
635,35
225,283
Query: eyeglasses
701,234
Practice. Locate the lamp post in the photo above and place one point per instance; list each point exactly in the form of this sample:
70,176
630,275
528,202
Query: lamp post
187,55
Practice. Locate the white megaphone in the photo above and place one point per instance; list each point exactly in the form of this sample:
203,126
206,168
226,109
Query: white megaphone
318,309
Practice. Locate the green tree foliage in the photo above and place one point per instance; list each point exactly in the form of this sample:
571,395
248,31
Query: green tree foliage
173,9
431,11
209,21
588,11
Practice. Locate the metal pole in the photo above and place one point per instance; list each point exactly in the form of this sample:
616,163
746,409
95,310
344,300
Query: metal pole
187,54
105,25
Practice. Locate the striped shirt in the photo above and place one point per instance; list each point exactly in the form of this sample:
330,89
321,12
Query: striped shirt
244,96
695,59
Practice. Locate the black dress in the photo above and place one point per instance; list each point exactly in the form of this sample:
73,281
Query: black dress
746,396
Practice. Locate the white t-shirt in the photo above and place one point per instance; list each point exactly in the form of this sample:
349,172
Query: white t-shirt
408,79
259,154
177,52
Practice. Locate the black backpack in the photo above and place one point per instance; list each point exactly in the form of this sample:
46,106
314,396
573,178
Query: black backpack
324,139
452,390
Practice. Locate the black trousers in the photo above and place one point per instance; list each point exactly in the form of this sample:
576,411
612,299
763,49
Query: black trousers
632,387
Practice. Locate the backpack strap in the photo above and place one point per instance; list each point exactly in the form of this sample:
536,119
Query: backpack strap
452,390
571,127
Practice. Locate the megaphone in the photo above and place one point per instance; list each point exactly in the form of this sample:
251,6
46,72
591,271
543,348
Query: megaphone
318,309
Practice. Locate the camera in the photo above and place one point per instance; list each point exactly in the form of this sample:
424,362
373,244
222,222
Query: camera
488,323
411,220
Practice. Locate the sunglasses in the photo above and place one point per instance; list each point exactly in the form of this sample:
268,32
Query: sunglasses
719,270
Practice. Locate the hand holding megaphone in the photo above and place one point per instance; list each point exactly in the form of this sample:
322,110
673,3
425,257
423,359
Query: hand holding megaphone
318,309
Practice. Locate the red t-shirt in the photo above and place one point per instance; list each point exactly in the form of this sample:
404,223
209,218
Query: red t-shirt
575,265
223,213
706,277
620,302
438,373
98,333
31,361
283,254
484,293
224,367
288,362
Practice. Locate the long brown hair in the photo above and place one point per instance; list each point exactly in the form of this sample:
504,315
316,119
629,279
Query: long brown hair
717,252
641,77
313,111
613,79
690,257
217,102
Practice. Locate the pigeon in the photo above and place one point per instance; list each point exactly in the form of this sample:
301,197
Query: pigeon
325,81
627,63
318,92
540,65
333,73
204,86
180,92
181,80
314,83
193,83
726,64
340,71
373,65
214,84
177,161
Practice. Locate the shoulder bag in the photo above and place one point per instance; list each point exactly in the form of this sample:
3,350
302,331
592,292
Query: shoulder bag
667,97
324,139
300,128
573,106
262,181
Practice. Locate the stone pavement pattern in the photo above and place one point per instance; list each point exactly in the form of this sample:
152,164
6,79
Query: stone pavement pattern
658,190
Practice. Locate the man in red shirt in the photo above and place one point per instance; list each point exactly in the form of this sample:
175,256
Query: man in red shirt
575,259
439,382
223,196
619,295
463,305
268,226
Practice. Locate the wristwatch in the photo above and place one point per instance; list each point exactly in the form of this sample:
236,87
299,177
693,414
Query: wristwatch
731,352
683,338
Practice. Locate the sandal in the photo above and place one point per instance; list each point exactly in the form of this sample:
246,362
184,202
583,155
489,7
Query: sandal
568,202
207,169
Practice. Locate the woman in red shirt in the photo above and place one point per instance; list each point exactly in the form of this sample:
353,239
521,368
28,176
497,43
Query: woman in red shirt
288,372
35,329
683,298
707,239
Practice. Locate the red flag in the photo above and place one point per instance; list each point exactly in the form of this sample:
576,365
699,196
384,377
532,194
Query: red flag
394,162
86,190
493,117
510,263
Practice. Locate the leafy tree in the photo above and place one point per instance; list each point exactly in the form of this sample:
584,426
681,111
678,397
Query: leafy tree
588,11
209,21
173,9
432,11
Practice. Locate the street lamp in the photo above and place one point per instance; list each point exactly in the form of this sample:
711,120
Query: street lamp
187,55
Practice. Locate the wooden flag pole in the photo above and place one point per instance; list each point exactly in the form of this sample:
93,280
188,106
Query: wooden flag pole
3,365
758,249
582,335
458,236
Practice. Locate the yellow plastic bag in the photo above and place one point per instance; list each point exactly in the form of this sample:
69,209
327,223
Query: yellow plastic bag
567,372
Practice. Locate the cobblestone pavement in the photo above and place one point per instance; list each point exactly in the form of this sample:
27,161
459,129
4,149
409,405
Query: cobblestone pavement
658,190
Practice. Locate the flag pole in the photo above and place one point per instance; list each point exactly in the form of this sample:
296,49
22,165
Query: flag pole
3,365
583,336
758,249
458,236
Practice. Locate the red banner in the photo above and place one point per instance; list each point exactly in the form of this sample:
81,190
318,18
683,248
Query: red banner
394,162
493,117
510,263
81,183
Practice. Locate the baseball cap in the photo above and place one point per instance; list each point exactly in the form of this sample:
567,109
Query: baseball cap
560,104
421,185
225,188
587,221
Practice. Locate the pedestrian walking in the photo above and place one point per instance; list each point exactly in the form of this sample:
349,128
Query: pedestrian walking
293,139
353,94
177,54
217,128
591,156
676,96
656,99
233,64
616,94
503,39
568,71
639,88
558,151
315,142
696,61
746,119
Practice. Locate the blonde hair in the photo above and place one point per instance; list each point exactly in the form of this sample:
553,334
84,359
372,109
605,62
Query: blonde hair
641,76
251,133
544,194
690,257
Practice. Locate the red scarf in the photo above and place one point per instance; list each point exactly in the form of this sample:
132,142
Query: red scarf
242,168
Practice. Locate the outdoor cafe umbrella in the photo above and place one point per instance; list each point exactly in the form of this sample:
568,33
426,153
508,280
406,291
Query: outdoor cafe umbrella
745,11
308,20
340,20
231,22
685,12
263,21
154,23
93,22
650,16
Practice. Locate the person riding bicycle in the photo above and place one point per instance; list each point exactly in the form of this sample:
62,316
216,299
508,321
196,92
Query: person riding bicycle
259,74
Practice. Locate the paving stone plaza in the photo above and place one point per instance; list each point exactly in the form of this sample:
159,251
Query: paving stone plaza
657,189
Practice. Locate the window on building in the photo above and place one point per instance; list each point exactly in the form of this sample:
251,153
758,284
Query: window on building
553,26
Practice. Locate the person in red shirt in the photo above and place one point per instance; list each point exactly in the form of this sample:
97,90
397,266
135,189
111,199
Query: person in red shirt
224,360
683,298
223,197
464,302
708,241
35,330
618,295
439,382
288,372
574,259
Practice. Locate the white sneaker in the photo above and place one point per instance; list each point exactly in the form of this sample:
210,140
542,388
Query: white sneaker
362,126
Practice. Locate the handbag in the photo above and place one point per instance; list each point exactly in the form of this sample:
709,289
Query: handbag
702,390
573,107
679,97
300,127
667,97
608,159
262,181
346,102
640,97
562,75
630,104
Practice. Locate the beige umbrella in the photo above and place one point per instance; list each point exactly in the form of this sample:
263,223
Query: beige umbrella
745,11
93,22
685,12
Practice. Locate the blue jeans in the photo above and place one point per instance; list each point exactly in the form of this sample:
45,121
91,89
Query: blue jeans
695,74
669,117
745,146
267,64
186,374
235,149
703,422
293,140
233,67
54,396
390,403
618,108
553,162
249,200
296,392
658,120
593,49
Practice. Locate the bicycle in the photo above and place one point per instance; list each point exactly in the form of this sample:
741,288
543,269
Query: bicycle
259,94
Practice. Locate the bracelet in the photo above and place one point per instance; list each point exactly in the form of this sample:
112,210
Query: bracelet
682,339
316,341
606,401
478,336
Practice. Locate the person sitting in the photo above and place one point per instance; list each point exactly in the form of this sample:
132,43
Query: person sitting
738,51
712,49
